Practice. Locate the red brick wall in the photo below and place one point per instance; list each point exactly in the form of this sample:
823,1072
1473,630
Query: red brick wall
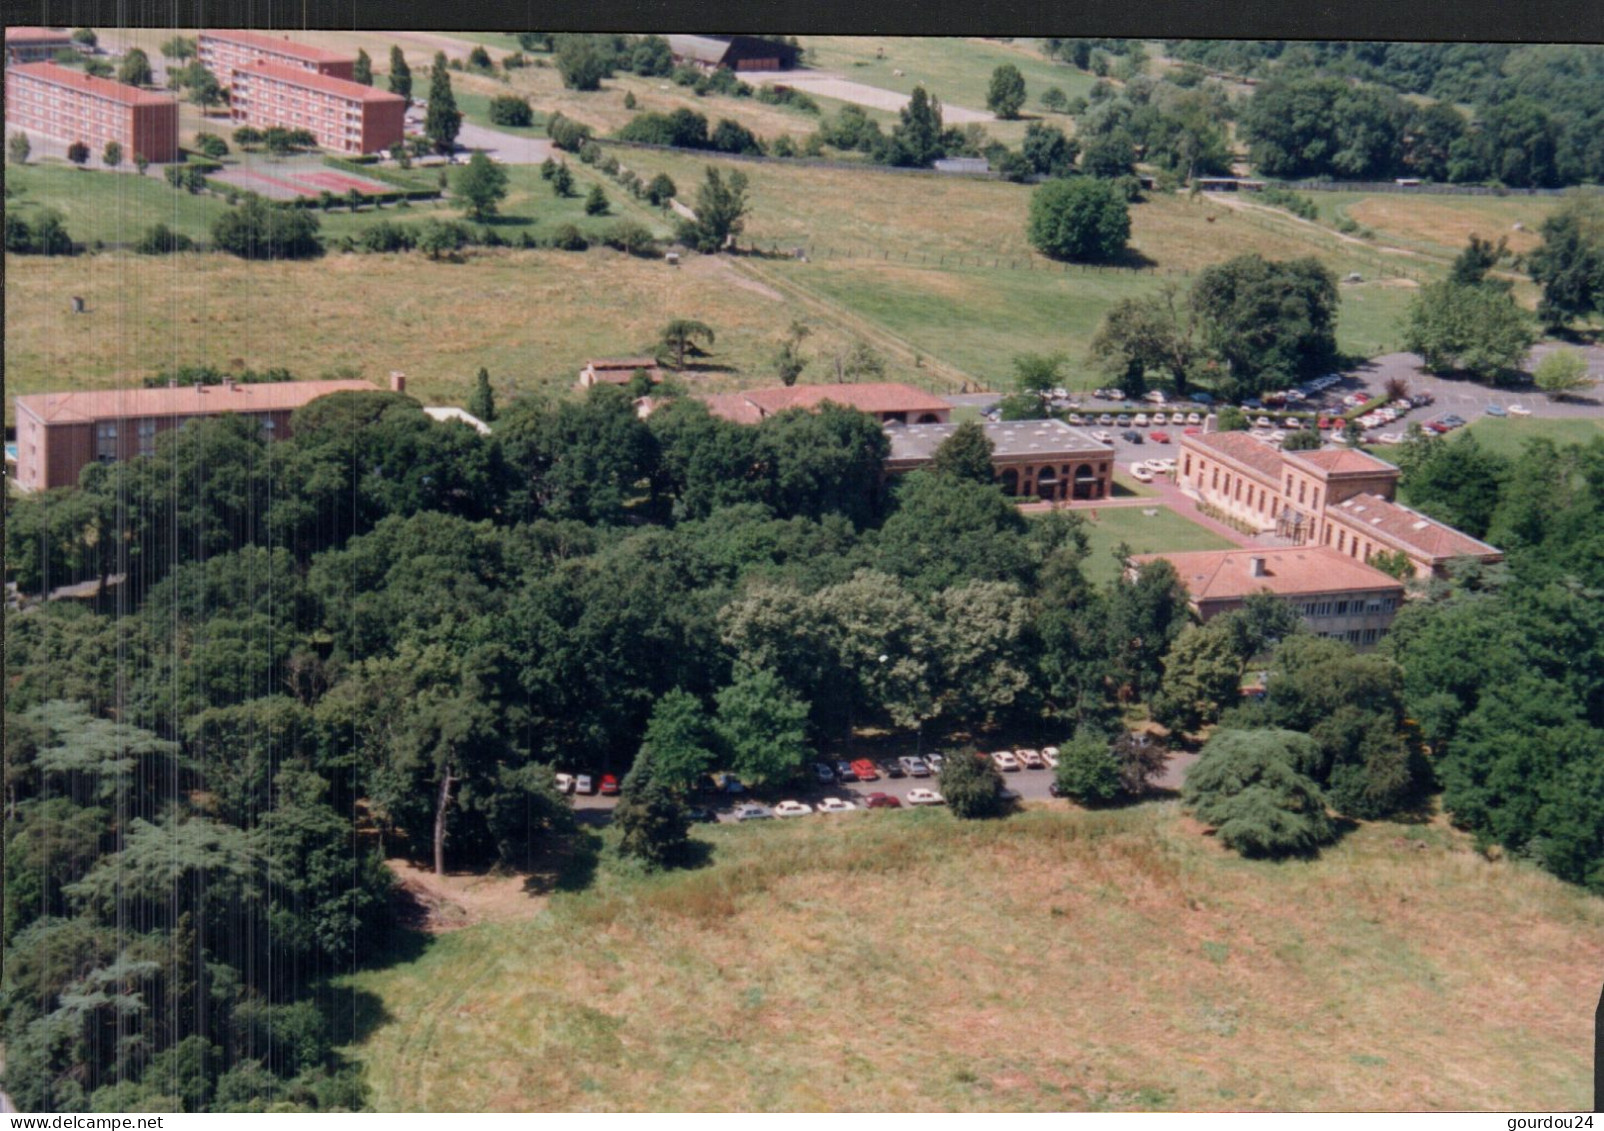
383,125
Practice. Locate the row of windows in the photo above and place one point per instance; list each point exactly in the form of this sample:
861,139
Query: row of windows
1352,607
1354,635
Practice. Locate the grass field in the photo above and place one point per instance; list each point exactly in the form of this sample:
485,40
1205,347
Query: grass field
1508,435
1165,531
1056,960
531,317
1441,226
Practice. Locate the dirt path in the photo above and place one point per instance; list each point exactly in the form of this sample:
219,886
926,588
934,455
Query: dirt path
829,85
1232,200
447,903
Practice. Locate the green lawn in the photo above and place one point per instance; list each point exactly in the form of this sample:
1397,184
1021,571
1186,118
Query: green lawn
1506,436
1165,531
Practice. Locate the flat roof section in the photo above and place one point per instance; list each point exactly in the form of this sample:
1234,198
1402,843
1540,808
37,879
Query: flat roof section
1300,571
1010,439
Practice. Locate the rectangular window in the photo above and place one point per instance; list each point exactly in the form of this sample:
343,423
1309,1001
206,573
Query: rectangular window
1300,492
1342,608
106,441
1370,635
147,437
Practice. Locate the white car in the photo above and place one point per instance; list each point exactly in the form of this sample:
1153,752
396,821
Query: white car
582,784
1277,436
1005,761
935,762
1155,397
1123,420
1519,410
1049,754
913,766
1262,422
835,805
1076,418
1116,394
1389,438
1140,420
1030,759
1193,418
925,797
1160,419
792,809
565,783
1102,437
1140,473
753,813
1106,420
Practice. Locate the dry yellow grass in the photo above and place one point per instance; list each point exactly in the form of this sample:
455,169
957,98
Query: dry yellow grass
1448,222
531,317
1058,960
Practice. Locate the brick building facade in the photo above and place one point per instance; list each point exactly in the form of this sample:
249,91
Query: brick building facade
36,44
344,116
1331,497
68,105
59,434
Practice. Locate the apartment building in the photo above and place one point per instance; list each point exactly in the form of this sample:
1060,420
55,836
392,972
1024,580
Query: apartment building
344,116
225,51
1339,498
68,105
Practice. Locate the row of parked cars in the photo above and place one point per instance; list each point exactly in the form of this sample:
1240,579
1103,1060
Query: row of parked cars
752,811
606,784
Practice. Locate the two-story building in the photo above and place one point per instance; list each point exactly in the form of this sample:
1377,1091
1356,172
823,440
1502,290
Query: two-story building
1047,459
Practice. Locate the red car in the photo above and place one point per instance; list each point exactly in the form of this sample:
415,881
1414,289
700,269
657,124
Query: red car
1159,437
881,801
609,785
865,770
1327,423
1192,432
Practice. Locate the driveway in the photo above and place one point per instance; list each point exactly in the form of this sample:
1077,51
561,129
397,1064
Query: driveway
828,85
509,149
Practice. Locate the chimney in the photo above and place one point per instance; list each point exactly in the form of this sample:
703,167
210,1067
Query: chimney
172,382
398,381
200,386
228,383
1256,566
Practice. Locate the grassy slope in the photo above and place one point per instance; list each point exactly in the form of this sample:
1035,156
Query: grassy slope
531,317
1058,960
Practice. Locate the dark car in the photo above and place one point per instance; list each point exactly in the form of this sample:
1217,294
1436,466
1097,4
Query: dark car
1131,437
1055,789
892,768
881,801
843,772
702,815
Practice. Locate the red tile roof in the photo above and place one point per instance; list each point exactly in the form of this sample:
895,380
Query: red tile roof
1343,461
112,404
1408,529
117,92
732,406
263,41
328,84
1301,571
877,396
38,35
1241,447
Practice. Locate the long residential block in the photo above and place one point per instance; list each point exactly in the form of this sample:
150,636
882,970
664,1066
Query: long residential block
68,105
226,51
344,116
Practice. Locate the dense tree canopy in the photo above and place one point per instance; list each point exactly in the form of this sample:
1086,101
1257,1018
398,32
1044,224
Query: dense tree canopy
1079,219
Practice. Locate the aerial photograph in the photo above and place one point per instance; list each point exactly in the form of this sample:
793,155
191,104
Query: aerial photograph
600,572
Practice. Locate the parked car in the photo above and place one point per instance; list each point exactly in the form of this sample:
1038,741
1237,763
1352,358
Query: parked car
1116,394
1496,410
1131,437
702,815
1421,400
835,805
881,801
823,774
1519,410
1156,396
583,784
935,762
1102,437
1262,422
843,772
1140,420
1076,418
1192,432
1106,420
792,809
1203,399
1253,403
925,797
753,813
1159,437
1160,418
1193,418
1030,759
1005,761
1123,420
864,770
1438,427
1049,754
565,783
609,785
916,767
892,768
1141,473
728,783
1054,789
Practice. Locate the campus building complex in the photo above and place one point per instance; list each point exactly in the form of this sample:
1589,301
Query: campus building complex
68,105
59,434
1335,595
1044,458
224,52
344,116
36,44
1338,498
